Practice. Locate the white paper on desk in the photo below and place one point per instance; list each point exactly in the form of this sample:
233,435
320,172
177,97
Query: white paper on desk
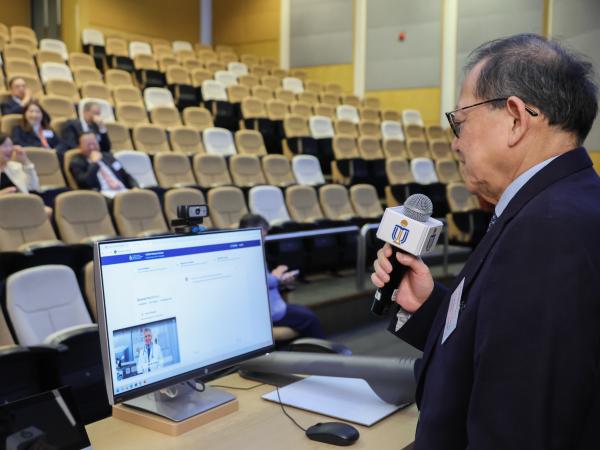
349,399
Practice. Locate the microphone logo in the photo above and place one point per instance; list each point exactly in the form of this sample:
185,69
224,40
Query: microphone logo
400,232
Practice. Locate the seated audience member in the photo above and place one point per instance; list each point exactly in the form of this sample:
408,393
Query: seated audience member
93,169
20,95
34,130
90,122
17,172
297,317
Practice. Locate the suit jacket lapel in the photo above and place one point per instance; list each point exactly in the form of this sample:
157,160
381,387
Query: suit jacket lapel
563,166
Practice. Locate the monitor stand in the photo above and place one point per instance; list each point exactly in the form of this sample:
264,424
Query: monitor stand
180,402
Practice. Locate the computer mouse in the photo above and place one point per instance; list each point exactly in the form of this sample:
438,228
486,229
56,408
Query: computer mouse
335,433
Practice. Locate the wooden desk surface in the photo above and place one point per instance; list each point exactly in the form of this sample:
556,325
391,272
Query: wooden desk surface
259,424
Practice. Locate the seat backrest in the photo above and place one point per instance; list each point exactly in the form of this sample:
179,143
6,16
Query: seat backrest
321,127
423,171
92,36
447,171
250,142
310,98
292,84
47,167
139,48
253,108
334,88
106,110
307,170
276,109
226,78
93,89
335,202
42,300
55,45
185,139
347,112
398,171
150,139
249,59
211,171
394,148
371,102
9,122
177,74
183,196
349,99
89,289
328,98
18,52
199,75
268,201
155,97
370,114
288,97
272,83
145,62
440,149
20,66
365,201
412,117
173,170
138,211
226,206
277,170
435,132
213,90
345,127
85,74
165,116
417,148
237,68
198,118
181,45
237,93
369,148
120,139
218,141
344,147
248,80
127,94
130,114
245,170
369,128
313,86
63,88
46,56
82,214
77,59
460,199
139,166
58,107
23,220
295,126
302,109
391,129
118,77
303,204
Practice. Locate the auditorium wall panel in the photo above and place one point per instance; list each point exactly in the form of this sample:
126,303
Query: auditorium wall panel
15,12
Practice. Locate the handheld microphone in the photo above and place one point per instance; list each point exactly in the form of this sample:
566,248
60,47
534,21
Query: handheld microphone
408,228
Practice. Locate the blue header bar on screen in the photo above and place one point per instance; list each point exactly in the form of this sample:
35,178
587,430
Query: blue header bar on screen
170,253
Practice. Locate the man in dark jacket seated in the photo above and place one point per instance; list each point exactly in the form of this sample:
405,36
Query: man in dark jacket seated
93,169
90,122
20,95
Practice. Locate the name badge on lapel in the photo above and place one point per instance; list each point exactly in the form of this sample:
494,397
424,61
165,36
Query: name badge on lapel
453,310
117,165
48,133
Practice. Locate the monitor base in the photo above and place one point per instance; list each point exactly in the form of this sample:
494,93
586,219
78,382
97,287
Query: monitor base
180,402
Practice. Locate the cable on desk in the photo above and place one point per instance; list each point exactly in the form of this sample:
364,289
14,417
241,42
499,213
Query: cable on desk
286,413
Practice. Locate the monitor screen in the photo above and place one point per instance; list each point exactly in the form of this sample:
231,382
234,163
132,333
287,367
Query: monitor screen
171,308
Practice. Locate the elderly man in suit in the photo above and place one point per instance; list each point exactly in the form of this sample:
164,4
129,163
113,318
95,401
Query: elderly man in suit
93,169
512,348
90,122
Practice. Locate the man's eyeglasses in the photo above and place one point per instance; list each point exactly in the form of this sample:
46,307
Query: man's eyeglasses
456,125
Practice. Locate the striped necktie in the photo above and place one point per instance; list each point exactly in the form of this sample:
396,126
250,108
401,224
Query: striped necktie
492,222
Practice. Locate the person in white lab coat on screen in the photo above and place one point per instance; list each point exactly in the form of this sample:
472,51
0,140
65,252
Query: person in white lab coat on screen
150,356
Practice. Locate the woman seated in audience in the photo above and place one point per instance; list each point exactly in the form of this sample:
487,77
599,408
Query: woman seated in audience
298,317
35,130
17,172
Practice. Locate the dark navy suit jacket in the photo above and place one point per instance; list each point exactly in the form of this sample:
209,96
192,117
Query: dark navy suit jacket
522,368
30,139
11,107
73,130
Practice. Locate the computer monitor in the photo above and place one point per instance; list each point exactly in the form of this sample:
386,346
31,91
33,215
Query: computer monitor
179,307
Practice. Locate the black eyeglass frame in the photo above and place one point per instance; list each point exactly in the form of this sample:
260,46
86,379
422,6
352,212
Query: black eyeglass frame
456,127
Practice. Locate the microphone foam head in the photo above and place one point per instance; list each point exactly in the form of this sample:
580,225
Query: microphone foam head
418,207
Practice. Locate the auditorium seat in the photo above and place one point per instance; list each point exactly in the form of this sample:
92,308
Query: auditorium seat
335,202
173,170
348,167
130,115
237,68
393,148
349,99
249,59
106,110
292,84
250,142
345,127
391,129
400,179
183,196
139,48
185,139
271,82
63,88
417,148
423,170
117,77
200,75
370,115
236,93
20,66
139,166
321,127
138,212
198,118
165,116
268,202
155,97
226,78
9,122
96,90
214,96
365,202
227,57
467,224
47,168
369,128
94,44
55,71
435,133
348,112
246,171
249,80
77,60
46,56
17,31
254,117
334,88
82,217
120,139
279,73
218,141
313,86
310,98
413,124
181,45
179,82
287,97
226,206
147,73
43,300
297,137
440,149
259,71
391,115
277,171
211,171
447,171
166,62
84,75
425,176
371,102
150,139
58,107
307,170
301,109
127,94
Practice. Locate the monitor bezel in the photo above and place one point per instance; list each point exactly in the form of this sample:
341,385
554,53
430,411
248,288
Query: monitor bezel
200,372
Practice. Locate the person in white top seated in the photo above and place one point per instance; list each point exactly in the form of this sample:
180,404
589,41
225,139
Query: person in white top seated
17,172
100,171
